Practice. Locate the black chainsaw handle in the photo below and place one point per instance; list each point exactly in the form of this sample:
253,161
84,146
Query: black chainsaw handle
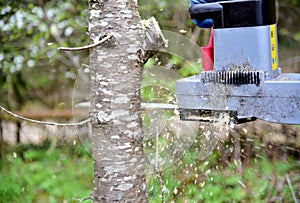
238,13
212,11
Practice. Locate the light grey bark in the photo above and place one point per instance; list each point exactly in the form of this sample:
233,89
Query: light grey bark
115,98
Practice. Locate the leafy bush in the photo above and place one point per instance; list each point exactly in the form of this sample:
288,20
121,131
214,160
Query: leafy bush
40,176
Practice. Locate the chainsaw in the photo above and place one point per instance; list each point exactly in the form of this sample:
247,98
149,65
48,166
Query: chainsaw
244,81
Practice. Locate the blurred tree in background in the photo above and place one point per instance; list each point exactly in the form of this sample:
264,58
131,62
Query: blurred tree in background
32,70
289,35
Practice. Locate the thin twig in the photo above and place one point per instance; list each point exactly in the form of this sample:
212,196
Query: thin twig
158,171
83,199
44,122
291,188
161,183
85,47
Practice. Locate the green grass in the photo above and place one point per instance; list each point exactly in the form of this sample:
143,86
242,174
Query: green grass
208,181
43,176
66,173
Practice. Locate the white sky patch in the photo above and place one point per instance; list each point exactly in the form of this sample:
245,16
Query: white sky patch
30,63
68,31
1,56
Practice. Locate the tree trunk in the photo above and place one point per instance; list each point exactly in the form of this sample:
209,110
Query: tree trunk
116,67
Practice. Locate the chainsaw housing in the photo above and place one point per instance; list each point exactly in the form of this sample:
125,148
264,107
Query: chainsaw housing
246,81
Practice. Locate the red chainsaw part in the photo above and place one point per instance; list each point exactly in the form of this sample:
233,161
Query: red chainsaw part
208,53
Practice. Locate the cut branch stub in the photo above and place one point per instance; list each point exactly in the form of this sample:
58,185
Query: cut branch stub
153,41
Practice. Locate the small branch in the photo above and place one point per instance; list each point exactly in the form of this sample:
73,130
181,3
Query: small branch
44,122
158,171
291,188
85,47
153,40
161,183
83,199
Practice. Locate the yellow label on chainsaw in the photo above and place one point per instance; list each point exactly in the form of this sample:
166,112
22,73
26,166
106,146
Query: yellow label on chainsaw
273,42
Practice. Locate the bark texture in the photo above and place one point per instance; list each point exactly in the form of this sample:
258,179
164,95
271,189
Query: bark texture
116,68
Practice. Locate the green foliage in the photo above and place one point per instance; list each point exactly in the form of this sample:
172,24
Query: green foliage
30,33
215,183
41,176
160,75
170,14
288,24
